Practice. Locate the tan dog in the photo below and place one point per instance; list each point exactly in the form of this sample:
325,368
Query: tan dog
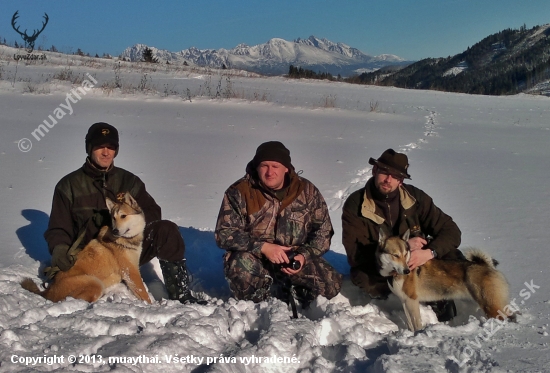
475,278
105,261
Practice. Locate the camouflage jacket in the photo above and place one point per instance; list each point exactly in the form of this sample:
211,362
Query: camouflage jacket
250,216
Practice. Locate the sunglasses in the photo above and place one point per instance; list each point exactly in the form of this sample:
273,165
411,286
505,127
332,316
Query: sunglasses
387,172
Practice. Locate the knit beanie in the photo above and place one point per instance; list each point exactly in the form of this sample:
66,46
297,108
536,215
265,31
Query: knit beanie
101,134
272,151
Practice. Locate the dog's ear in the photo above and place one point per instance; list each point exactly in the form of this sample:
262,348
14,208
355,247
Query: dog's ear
382,237
406,235
110,204
131,201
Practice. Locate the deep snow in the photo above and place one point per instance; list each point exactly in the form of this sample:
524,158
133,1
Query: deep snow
481,158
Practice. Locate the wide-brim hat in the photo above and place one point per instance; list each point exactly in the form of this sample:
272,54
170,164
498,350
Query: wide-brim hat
101,134
395,163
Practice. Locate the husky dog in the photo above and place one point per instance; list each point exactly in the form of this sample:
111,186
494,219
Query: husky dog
109,259
437,279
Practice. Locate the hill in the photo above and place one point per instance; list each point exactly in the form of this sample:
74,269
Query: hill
508,62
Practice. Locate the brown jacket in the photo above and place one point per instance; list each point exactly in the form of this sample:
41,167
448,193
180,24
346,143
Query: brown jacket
250,215
362,221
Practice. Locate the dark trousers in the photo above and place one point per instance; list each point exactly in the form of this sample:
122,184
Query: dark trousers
163,240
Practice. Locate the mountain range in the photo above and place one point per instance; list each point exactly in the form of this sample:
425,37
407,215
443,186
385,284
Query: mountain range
508,62
275,57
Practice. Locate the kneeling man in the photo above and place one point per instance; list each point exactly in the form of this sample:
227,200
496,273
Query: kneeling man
266,217
387,203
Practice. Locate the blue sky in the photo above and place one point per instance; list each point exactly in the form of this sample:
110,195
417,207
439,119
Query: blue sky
412,29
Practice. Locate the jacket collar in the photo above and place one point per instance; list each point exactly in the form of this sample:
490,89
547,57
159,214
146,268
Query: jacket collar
368,208
95,173
294,188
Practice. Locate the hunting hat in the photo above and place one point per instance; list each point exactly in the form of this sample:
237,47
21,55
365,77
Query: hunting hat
395,163
272,151
101,134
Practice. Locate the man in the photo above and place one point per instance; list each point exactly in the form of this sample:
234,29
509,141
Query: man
268,215
387,203
79,210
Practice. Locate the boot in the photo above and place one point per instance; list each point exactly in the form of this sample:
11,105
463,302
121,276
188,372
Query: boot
445,310
263,292
304,296
281,289
176,281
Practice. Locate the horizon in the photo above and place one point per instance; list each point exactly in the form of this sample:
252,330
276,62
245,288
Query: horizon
441,28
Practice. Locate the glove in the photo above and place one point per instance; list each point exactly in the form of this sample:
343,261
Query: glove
61,257
101,218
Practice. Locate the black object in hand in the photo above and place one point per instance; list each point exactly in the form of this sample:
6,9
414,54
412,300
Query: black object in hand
292,263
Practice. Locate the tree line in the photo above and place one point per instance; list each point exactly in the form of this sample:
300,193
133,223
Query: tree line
507,62
296,72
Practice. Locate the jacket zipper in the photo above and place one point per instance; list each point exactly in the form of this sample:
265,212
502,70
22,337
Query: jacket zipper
389,211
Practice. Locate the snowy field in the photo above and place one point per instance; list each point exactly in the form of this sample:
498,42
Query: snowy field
188,134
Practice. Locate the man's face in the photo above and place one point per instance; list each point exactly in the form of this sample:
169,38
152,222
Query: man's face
103,155
272,174
384,181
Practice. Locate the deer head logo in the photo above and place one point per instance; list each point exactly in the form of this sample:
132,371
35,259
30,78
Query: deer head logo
29,39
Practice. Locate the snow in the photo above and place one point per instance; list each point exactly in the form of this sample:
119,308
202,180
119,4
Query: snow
274,56
481,158
457,69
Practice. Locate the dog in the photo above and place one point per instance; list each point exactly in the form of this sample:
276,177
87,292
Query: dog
109,259
475,278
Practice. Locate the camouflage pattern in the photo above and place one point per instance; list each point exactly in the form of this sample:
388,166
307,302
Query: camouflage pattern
250,216
252,278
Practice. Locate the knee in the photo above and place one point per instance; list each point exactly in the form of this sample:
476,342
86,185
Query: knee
238,263
455,254
334,285
163,240
166,228
247,277
320,278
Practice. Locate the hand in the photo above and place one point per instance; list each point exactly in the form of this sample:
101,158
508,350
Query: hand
276,254
289,271
61,257
419,257
417,243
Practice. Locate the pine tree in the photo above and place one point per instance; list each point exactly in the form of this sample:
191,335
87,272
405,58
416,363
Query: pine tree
148,56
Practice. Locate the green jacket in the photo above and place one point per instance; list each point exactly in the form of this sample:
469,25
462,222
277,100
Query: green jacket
362,221
80,196
250,216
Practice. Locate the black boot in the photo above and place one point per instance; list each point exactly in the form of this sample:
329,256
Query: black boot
176,281
304,296
445,310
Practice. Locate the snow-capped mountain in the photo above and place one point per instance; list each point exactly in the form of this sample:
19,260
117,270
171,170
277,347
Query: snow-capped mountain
275,57
329,46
